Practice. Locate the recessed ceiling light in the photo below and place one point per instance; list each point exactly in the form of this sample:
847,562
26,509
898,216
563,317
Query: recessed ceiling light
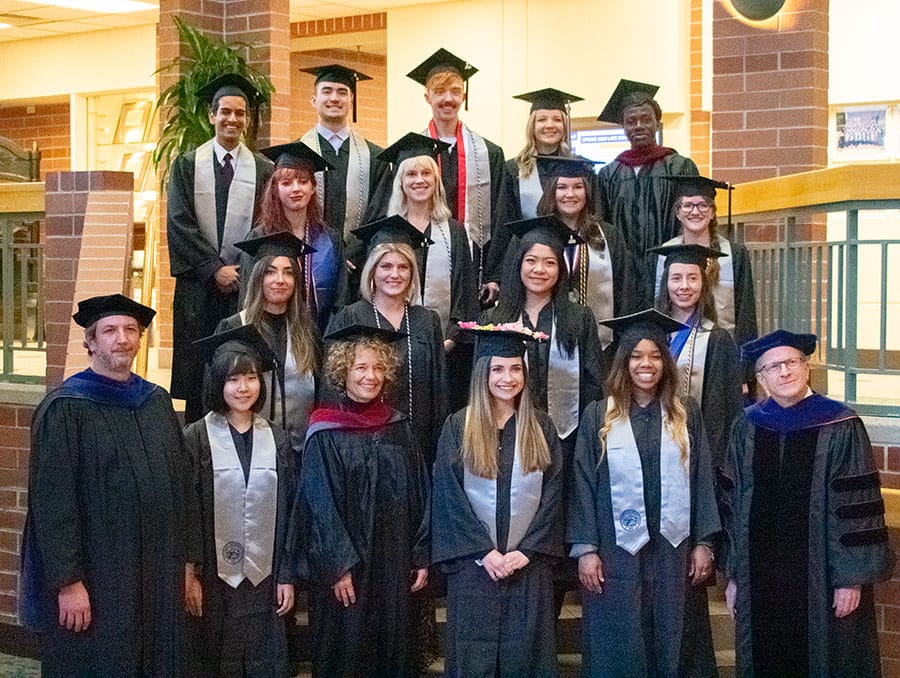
2,26
100,6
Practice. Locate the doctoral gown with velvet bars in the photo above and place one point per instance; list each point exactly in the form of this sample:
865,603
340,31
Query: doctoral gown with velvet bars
247,612
633,628
504,628
804,515
366,493
429,373
109,505
198,305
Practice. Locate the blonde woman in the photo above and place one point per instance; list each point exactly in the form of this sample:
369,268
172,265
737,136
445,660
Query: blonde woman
497,520
390,299
642,513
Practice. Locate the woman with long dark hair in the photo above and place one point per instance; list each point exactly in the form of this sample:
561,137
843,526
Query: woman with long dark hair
274,307
642,512
289,204
497,519
365,491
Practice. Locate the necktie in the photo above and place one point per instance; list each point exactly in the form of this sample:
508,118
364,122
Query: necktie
227,168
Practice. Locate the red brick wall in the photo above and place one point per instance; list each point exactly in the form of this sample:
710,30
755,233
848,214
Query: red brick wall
48,125
700,119
770,93
371,95
15,422
888,459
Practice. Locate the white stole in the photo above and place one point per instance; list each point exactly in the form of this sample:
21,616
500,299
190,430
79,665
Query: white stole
436,292
723,291
244,512
530,192
299,396
691,361
524,499
626,485
600,289
241,200
563,386
357,185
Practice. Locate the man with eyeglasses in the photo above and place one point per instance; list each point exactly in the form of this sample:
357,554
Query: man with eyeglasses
805,520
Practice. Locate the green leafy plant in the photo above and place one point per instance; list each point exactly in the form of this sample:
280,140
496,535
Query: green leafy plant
187,125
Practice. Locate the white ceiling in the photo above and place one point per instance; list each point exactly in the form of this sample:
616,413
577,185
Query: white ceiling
40,19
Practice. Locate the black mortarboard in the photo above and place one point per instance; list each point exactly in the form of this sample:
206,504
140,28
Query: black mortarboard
499,340
296,154
547,230
686,254
753,350
694,185
92,309
394,229
560,166
229,84
549,99
440,62
646,324
614,109
412,145
243,339
281,244
356,331
341,74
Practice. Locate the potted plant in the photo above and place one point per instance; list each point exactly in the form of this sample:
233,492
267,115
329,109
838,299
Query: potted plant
188,126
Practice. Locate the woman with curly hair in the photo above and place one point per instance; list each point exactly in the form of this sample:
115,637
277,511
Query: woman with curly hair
642,513
497,519
365,497
289,205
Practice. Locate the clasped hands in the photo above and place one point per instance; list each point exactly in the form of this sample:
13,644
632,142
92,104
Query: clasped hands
499,565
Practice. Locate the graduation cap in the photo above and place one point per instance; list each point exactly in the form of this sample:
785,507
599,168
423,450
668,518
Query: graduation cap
615,107
230,84
341,74
296,154
753,350
572,167
686,254
507,340
94,308
244,339
393,229
646,324
549,99
444,61
280,244
695,185
410,146
547,230
357,331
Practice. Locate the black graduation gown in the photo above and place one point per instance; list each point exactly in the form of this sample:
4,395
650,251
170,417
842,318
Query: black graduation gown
504,628
329,270
366,491
108,505
198,305
642,206
634,627
239,613
745,327
429,372
804,516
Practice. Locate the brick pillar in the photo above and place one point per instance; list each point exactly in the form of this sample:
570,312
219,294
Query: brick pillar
700,119
87,251
770,92
263,24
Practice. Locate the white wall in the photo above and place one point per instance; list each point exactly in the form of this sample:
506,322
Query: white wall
520,45
83,63
863,51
